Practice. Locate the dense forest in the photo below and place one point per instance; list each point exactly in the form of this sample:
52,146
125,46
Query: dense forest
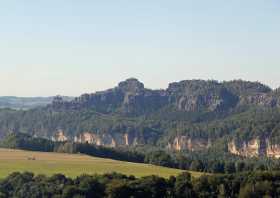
114,185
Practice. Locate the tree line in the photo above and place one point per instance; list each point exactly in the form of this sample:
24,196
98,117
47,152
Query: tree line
115,185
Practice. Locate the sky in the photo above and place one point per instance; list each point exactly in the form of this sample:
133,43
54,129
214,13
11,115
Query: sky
70,47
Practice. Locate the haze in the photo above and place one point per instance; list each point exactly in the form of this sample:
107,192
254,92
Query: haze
72,47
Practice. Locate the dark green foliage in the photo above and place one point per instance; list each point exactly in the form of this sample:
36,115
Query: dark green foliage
25,141
117,154
183,186
160,158
114,185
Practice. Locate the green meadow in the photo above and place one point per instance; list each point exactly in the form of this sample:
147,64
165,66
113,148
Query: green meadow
73,165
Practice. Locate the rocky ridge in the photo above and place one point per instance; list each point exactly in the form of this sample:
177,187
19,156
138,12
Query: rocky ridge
131,97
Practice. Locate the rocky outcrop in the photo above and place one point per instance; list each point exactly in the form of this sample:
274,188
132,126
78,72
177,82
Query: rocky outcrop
254,93
182,143
130,97
246,149
59,136
89,138
256,147
130,139
273,150
107,140
267,100
243,88
199,95
99,140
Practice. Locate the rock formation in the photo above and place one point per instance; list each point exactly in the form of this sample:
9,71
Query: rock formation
182,143
59,136
256,147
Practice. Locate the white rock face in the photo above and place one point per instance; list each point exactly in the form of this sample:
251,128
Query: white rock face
59,136
191,144
255,148
106,139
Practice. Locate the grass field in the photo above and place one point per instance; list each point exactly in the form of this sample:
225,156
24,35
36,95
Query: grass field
73,165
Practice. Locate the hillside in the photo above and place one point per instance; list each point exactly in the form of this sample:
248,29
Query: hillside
239,117
74,165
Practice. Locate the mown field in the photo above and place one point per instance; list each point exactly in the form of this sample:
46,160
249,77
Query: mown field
73,165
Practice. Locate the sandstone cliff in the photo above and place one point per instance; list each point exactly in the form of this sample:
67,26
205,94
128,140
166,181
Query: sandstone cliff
59,136
181,143
254,148
106,140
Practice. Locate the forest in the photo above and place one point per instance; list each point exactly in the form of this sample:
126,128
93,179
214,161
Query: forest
114,185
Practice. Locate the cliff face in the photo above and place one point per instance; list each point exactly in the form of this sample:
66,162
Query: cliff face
130,97
106,140
197,95
246,149
181,143
264,99
59,136
273,150
254,148
254,93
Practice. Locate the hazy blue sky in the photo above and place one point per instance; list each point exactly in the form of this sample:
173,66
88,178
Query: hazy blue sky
70,47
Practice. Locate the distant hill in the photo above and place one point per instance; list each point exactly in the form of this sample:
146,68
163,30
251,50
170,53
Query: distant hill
26,102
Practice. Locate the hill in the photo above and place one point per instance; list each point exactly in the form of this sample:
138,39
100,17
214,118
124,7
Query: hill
237,117
74,165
